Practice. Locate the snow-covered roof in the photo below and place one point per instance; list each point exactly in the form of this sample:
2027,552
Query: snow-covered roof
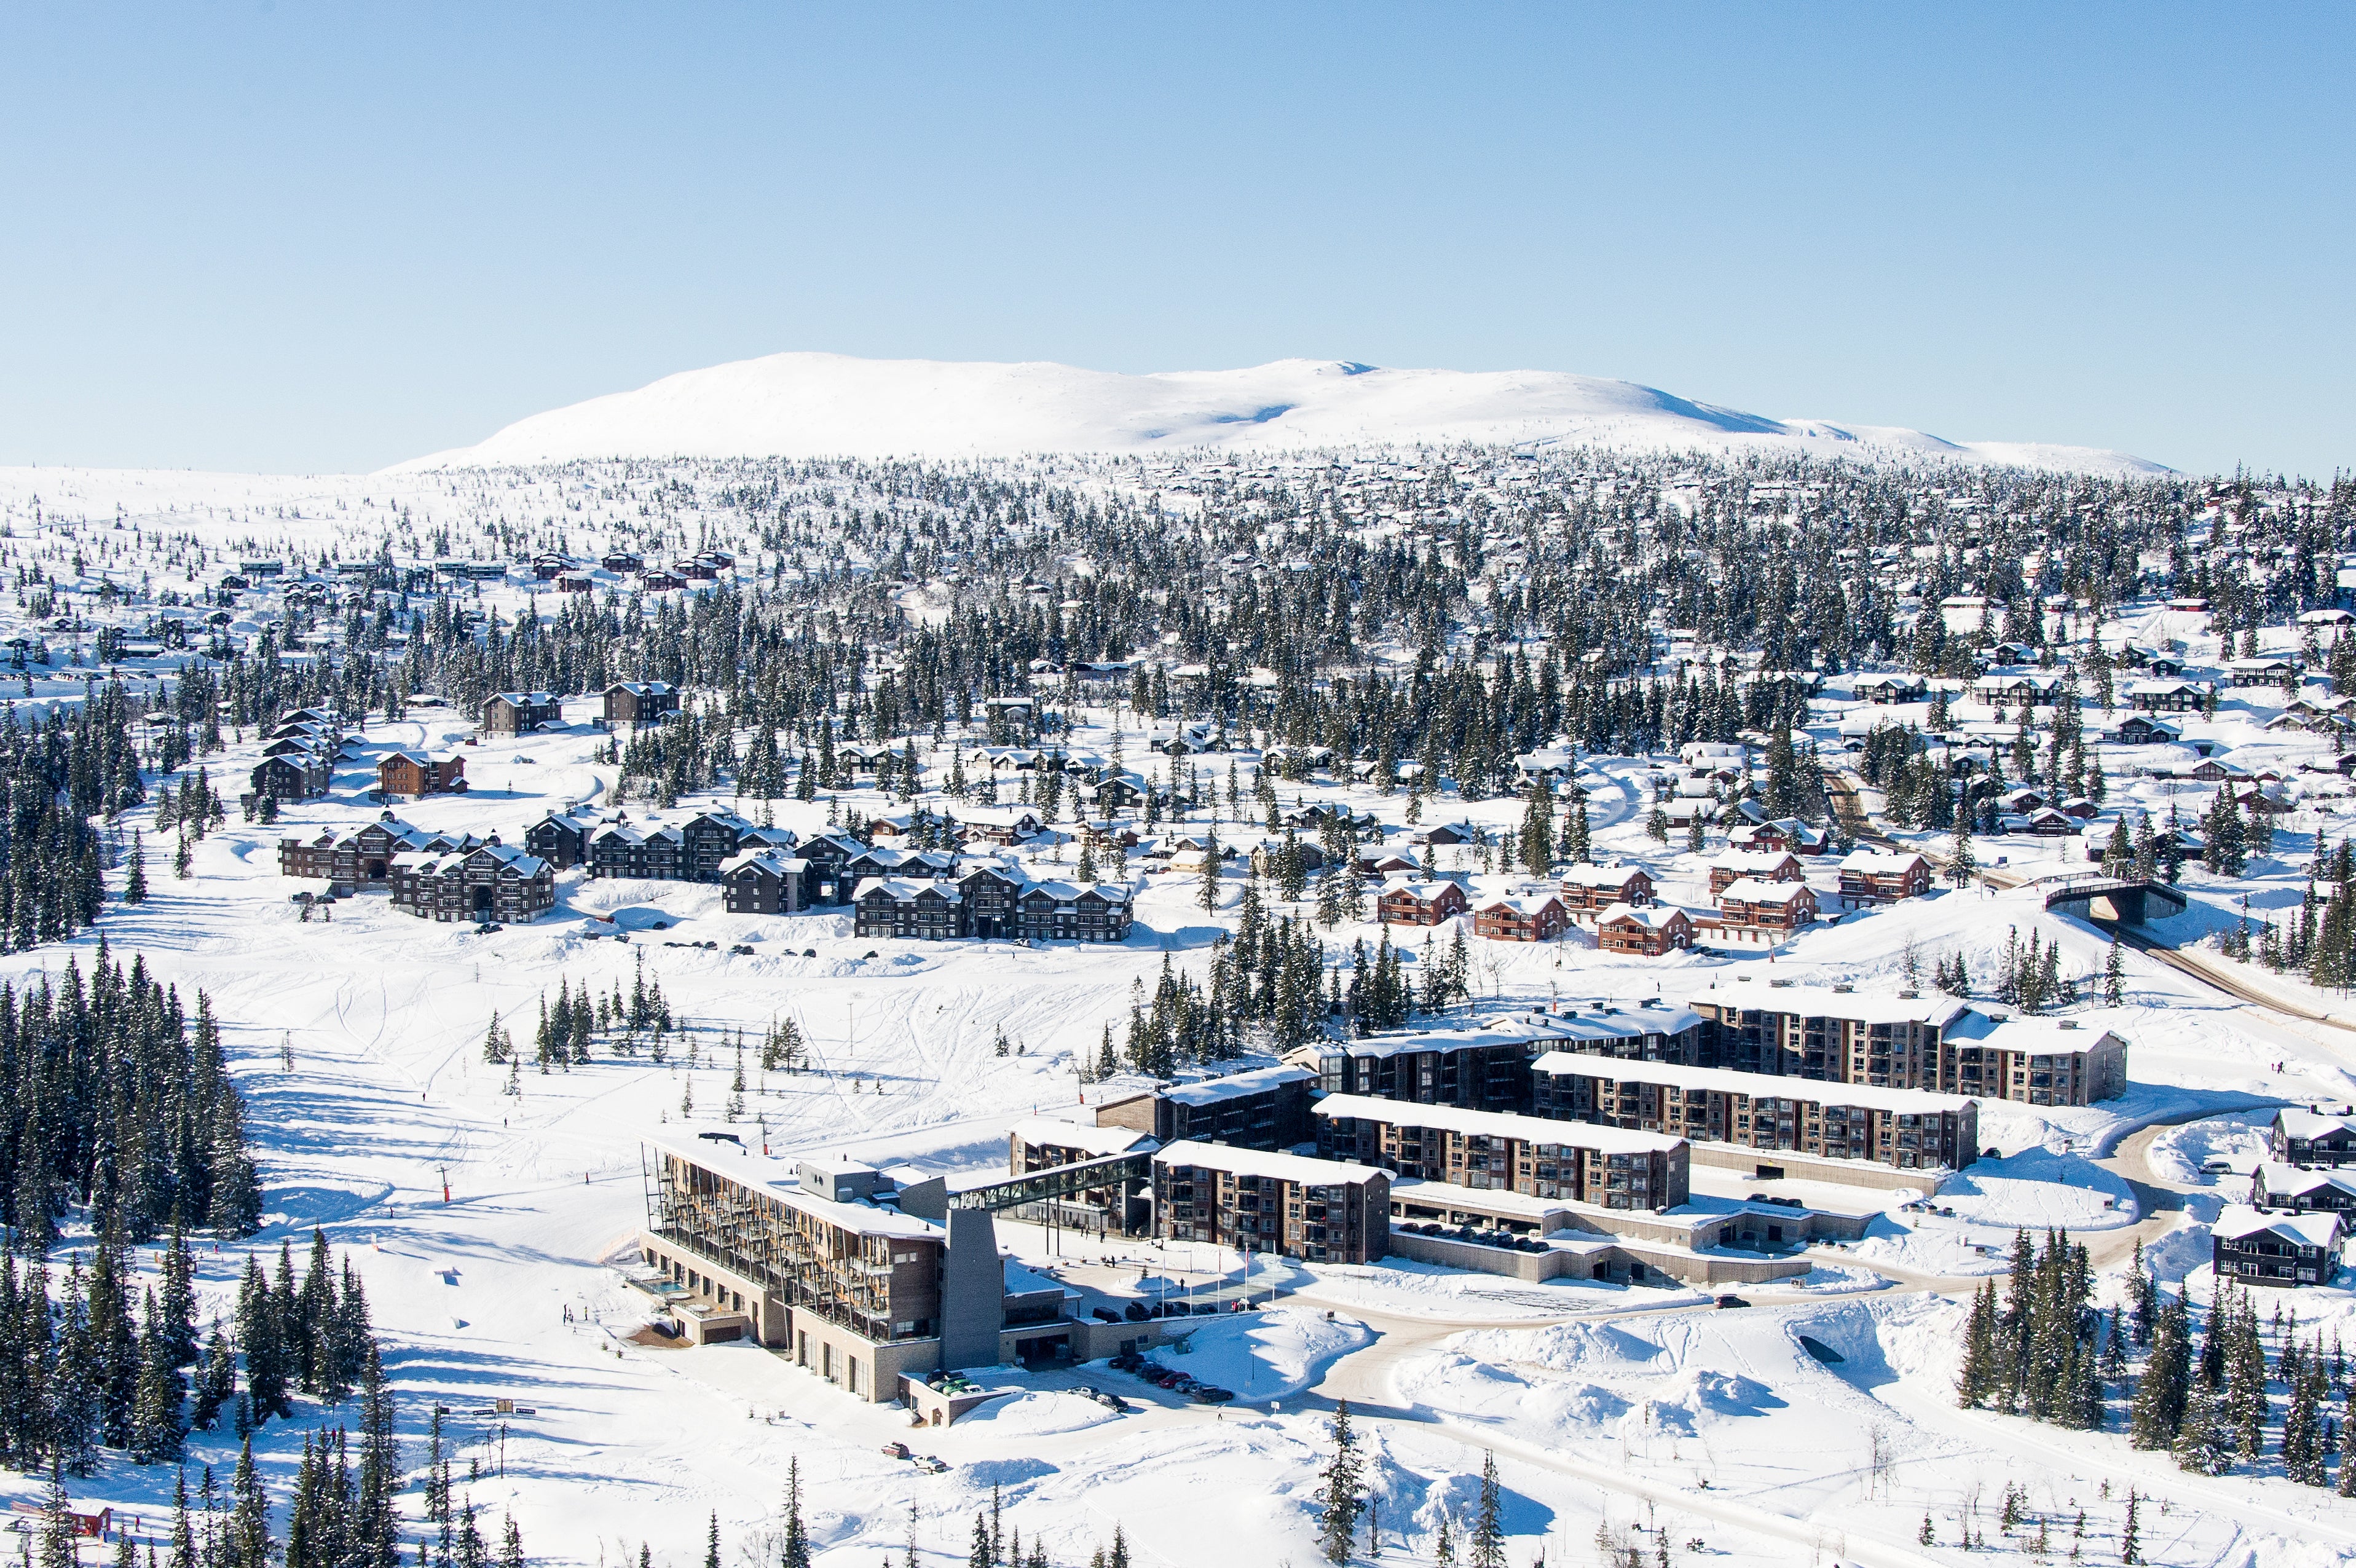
2037,1036
1757,1085
1616,875
1489,1032
1823,1002
2276,1176
1743,862
1258,1080
1520,906
781,1179
1618,1023
2297,1122
1881,862
778,861
1752,890
1495,1124
1300,1168
1046,1131
1653,917
1421,891
2240,1220
1492,1200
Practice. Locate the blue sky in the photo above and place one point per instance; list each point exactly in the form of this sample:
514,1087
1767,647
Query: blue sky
297,237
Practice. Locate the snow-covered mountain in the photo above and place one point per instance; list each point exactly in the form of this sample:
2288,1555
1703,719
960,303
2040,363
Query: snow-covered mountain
820,405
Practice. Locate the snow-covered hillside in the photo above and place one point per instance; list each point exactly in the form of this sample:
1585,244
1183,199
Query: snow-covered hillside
826,406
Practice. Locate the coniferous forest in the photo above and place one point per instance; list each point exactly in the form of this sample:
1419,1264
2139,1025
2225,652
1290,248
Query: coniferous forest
2198,1382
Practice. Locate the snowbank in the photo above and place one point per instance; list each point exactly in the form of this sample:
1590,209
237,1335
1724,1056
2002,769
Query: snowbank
1267,1355
2177,1154
1037,1414
2038,1189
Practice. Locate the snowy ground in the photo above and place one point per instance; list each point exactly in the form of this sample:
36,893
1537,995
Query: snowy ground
1718,1427
388,1095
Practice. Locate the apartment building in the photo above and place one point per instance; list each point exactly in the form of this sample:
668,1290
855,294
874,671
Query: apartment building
1650,931
2040,1061
1841,1036
1610,1168
1484,1069
515,712
1588,890
2277,1185
1882,877
419,773
1759,910
489,881
766,881
1254,1199
364,856
1645,1031
1911,1129
1753,865
994,901
1266,1108
1932,1042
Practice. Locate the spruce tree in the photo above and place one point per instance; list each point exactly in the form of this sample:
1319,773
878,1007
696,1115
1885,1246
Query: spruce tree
1962,864
1980,1376
2160,1396
1488,1542
796,1551
2203,1443
1343,1499
156,1433
260,1330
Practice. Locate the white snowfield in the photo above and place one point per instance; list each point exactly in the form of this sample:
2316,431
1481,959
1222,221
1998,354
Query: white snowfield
833,405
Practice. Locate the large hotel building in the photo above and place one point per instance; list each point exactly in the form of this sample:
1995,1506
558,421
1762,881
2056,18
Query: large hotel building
860,1277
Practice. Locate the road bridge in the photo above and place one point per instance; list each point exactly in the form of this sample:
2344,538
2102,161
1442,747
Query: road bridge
2115,900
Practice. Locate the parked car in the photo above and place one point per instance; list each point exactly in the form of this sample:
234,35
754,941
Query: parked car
930,1466
895,1450
1725,1302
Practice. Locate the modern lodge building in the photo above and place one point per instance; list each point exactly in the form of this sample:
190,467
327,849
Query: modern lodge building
858,1276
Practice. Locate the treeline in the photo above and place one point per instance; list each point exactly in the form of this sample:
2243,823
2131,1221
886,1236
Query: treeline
117,1103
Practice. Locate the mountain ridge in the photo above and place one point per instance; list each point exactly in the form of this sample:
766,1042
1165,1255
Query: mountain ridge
806,405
